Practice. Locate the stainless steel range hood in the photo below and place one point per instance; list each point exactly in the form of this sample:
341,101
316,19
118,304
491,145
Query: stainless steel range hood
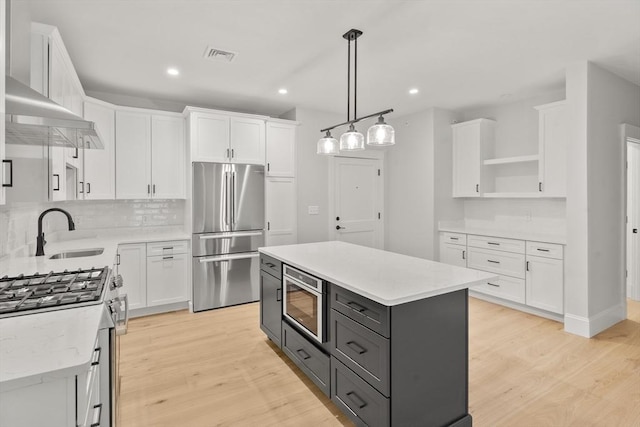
30,117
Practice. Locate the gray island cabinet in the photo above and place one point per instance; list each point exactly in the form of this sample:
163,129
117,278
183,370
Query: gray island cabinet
395,351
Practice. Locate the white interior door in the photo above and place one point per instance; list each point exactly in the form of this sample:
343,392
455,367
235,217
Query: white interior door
357,201
633,221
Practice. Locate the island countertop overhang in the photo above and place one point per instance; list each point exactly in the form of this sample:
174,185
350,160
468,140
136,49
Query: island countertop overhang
385,277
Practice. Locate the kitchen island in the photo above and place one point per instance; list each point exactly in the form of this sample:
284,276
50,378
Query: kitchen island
395,347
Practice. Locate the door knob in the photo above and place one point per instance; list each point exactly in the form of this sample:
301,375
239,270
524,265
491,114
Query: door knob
339,228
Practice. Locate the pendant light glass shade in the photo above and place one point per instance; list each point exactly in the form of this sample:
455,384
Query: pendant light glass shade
327,145
352,140
381,134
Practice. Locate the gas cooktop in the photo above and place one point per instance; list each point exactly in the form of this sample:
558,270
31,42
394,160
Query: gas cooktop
44,292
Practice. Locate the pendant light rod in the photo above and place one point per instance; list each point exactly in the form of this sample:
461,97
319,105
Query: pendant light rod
380,113
352,35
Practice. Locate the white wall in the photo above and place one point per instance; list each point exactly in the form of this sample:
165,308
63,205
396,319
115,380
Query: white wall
312,173
599,102
418,183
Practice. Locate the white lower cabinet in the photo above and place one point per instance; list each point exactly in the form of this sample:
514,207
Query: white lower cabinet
544,283
154,274
530,273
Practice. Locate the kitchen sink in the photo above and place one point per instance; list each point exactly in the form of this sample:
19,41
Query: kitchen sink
77,253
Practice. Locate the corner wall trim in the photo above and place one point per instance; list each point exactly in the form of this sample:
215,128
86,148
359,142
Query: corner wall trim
593,325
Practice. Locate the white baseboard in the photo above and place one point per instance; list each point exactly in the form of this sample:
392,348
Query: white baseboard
593,325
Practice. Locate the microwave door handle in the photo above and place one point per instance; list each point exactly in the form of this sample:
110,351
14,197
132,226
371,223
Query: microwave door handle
229,257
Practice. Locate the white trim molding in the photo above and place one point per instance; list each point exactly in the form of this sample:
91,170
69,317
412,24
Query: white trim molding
593,325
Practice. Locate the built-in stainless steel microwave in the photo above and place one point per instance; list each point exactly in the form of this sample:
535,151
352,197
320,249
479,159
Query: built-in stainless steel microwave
305,303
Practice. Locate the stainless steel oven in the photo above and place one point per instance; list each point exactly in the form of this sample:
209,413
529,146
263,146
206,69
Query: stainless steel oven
305,303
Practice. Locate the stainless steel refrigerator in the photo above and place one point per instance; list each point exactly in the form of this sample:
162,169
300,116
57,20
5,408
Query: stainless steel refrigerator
228,228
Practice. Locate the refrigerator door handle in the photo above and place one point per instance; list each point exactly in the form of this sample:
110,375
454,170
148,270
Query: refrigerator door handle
230,236
229,257
227,198
233,198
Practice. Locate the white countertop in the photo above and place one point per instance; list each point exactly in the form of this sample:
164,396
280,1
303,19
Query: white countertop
82,239
54,344
384,277
533,236
60,343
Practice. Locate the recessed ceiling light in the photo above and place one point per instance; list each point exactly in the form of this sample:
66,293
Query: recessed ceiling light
413,91
173,71
283,91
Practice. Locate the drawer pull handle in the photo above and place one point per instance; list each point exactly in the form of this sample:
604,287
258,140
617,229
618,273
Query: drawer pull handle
355,306
270,264
542,250
97,409
167,257
453,238
493,243
279,294
167,248
493,284
356,399
303,354
356,347
492,261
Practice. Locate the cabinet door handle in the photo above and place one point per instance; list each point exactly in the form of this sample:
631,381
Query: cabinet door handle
97,409
542,250
88,187
527,266
268,226
303,354
268,167
117,259
356,347
57,177
464,254
75,155
539,186
153,188
493,243
477,188
493,261
232,153
355,306
493,284
279,294
453,238
270,264
96,358
81,191
148,188
356,399
10,163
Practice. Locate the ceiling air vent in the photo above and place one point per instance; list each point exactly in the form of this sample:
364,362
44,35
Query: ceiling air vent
218,55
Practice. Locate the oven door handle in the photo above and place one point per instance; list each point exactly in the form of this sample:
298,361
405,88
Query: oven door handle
121,328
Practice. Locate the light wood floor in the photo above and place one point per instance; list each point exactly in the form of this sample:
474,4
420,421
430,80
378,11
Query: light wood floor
218,368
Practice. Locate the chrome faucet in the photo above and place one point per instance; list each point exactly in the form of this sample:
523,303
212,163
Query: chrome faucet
40,239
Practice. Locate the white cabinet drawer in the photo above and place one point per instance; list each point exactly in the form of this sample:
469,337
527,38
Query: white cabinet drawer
167,248
508,245
455,238
506,263
547,250
505,287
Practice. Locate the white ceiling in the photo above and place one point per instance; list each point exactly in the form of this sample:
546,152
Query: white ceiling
460,54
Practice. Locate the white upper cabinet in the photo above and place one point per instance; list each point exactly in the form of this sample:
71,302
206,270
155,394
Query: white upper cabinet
281,211
167,157
224,138
149,155
470,140
552,135
247,143
281,149
99,165
133,155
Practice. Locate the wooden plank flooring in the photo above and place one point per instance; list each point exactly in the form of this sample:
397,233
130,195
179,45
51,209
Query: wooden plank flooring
217,368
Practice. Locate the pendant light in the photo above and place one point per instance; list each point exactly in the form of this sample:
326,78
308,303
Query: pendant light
328,144
380,134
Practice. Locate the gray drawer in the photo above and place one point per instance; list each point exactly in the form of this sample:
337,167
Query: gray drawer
271,266
364,311
313,362
357,399
364,351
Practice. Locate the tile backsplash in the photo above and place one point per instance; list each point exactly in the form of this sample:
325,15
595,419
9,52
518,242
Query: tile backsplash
18,222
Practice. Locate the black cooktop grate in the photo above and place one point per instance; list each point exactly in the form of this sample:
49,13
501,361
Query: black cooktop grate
36,291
